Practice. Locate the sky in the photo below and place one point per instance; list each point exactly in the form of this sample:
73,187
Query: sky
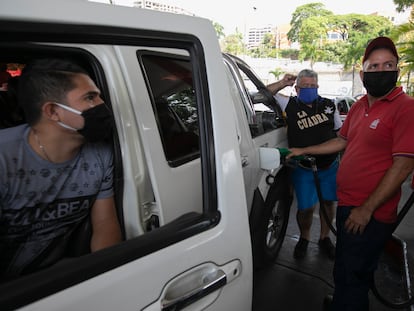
243,14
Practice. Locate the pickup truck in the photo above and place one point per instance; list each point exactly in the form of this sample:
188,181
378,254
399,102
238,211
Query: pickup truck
198,202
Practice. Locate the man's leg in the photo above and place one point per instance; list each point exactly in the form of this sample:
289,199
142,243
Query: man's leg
306,197
356,260
304,219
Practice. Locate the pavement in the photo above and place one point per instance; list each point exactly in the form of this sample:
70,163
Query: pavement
290,284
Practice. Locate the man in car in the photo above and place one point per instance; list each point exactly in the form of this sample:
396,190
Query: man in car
311,119
56,170
379,156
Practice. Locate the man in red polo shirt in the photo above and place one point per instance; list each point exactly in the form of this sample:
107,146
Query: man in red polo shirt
379,156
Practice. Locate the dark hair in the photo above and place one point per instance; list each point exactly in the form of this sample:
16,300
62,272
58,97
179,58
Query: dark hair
45,80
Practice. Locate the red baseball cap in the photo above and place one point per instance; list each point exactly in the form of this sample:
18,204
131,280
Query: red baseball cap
380,43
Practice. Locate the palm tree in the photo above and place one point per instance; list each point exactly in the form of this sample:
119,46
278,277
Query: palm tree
276,73
404,36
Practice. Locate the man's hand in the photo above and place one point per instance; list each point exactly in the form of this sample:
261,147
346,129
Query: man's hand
358,220
289,79
294,152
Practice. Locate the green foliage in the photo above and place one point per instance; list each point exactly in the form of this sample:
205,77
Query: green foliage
290,53
402,5
403,35
219,30
277,72
313,31
362,29
233,44
184,105
301,14
267,48
355,31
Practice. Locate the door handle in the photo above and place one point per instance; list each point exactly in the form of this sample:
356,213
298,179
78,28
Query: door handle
199,286
210,283
244,161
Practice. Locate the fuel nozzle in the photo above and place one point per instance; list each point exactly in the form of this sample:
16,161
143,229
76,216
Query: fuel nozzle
293,161
284,152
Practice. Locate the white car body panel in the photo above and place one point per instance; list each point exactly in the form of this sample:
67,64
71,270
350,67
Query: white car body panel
139,284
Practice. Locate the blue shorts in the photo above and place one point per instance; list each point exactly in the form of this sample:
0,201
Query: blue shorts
305,189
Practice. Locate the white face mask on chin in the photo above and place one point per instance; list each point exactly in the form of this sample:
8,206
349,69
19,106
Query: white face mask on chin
71,110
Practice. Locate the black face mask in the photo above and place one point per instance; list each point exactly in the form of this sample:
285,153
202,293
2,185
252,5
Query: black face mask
380,83
98,123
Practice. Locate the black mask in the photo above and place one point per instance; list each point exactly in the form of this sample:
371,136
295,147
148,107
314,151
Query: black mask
98,123
380,83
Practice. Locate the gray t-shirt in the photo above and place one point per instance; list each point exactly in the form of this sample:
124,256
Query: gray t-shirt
41,203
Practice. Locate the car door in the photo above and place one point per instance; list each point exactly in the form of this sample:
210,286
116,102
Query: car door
260,122
186,235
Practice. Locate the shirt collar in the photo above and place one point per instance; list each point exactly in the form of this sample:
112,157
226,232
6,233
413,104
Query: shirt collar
397,91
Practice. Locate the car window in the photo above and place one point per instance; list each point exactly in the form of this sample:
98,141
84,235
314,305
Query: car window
263,113
342,106
171,83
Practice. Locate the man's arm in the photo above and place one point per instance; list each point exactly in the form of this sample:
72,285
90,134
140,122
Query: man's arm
389,185
333,145
287,80
105,226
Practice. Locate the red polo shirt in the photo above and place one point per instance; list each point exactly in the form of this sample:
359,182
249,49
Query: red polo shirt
374,136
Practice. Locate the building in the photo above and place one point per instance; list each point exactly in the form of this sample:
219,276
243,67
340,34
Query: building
163,7
256,35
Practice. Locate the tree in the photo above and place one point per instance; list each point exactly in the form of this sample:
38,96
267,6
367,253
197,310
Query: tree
290,53
403,35
402,5
302,13
268,45
360,29
313,31
266,48
277,72
233,44
355,30
312,38
219,30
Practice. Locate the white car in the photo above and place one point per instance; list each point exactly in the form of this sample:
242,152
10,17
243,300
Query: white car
195,201
343,104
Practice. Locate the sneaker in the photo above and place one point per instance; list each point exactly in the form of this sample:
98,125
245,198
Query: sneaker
327,247
301,248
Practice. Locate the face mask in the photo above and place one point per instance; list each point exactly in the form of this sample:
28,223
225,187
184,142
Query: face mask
308,95
379,83
97,126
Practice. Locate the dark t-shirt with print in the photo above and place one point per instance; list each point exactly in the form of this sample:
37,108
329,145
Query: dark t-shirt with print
311,125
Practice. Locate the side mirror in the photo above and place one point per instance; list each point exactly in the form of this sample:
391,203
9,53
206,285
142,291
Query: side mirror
269,158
